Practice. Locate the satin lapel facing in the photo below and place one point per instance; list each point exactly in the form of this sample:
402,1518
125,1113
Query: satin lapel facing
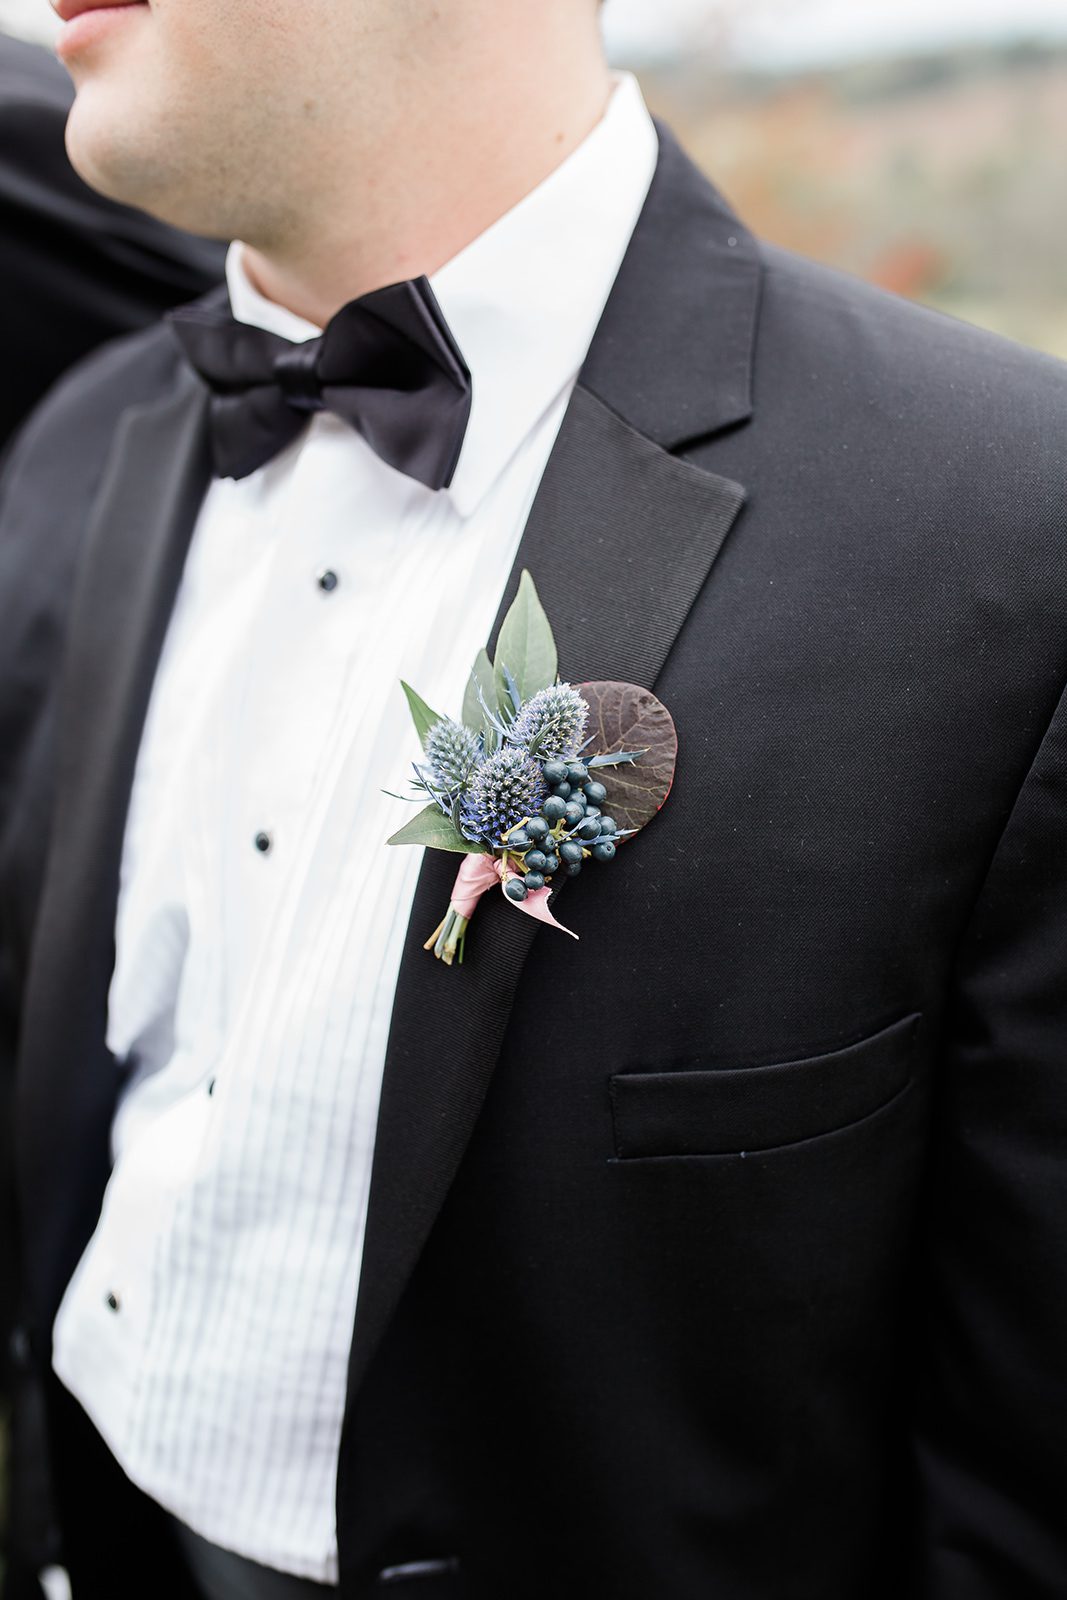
619,541
129,574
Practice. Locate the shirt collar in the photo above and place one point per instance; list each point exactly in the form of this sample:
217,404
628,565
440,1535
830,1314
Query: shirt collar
524,298
248,305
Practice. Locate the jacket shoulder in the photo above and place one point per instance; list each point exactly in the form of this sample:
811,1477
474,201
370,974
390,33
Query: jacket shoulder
69,430
49,485
51,474
862,338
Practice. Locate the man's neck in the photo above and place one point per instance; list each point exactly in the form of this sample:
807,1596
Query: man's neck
437,182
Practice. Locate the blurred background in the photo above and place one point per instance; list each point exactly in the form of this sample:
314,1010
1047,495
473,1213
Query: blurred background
919,143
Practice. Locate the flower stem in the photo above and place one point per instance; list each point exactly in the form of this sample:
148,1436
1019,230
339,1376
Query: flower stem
448,938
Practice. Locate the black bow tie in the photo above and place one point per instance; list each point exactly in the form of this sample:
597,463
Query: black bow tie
387,363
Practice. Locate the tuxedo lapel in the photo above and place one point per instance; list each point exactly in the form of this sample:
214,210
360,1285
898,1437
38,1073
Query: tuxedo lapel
621,537
129,573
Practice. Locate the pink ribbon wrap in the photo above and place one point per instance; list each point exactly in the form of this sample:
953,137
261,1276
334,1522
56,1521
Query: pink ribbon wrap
481,873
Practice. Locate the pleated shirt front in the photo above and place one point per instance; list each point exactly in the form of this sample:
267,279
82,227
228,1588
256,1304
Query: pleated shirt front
262,919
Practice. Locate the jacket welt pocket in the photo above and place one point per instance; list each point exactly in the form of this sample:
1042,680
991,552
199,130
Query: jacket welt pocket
695,1112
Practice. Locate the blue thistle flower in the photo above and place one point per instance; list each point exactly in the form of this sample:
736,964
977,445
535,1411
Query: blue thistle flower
504,789
552,722
453,751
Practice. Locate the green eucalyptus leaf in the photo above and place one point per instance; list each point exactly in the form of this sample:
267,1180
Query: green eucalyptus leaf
423,718
432,828
525,646
481,678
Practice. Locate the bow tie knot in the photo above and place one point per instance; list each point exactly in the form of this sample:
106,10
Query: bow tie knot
296,373
386,363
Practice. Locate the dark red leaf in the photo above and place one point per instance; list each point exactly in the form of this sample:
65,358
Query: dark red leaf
624,717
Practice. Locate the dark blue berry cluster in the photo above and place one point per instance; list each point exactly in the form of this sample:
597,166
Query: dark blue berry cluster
570,827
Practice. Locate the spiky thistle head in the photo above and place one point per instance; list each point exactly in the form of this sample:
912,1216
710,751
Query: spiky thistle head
504,789
552,722
453,751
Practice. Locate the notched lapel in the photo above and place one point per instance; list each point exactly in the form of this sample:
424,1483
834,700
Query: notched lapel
621,537
619,541
129,572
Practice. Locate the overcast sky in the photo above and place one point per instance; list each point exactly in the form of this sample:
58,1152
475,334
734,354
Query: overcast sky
790,31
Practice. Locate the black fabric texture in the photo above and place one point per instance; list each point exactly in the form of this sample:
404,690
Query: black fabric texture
222,1575
694,1112
724,1252
76,270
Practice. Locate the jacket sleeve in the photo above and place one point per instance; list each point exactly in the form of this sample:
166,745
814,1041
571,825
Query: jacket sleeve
990,1435
34,584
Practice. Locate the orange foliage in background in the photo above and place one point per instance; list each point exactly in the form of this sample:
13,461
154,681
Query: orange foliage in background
931,176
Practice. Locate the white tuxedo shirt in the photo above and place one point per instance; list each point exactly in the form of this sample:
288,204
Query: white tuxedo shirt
261,918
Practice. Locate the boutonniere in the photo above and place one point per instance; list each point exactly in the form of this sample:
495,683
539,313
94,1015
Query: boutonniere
537,779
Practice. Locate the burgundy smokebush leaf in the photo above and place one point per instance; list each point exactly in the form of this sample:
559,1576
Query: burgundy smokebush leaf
624,717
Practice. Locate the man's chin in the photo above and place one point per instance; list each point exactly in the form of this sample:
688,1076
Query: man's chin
99,157
109,143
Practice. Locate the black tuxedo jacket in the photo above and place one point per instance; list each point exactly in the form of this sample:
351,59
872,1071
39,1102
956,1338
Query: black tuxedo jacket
723,1253
75,269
